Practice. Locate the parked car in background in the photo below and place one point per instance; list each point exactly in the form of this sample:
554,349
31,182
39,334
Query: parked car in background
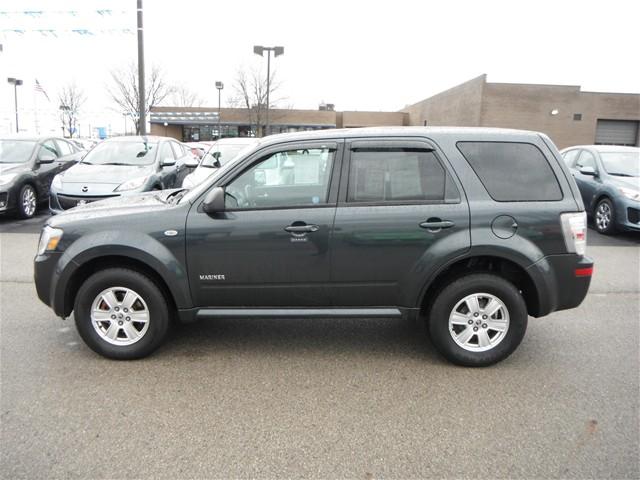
27,168
198,148
121,166
472,230
220,153
608,177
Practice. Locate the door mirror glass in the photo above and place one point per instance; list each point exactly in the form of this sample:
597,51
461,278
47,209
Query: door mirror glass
588,171
168,162
214,201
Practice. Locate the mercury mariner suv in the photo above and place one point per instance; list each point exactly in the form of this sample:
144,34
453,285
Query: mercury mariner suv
472,230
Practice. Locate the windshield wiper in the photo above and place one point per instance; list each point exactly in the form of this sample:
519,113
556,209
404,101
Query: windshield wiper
618,174
116,163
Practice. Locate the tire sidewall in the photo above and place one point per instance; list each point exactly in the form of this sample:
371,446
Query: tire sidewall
143,286
459,289
21,211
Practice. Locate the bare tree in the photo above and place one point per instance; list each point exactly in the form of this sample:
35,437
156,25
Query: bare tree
184,97
71,99
125,93
250,87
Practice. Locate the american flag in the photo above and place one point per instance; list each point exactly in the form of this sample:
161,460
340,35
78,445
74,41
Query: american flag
38,88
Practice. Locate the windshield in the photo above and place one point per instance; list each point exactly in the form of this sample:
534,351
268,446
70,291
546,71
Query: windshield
122,153
622,164
224,153
16,151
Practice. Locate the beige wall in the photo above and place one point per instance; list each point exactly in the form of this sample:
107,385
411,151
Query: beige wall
373,119
174,131
459,106
529,107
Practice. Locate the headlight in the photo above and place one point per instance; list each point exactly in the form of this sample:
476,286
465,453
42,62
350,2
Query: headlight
7,178
132,184
630,193
49,239
57,182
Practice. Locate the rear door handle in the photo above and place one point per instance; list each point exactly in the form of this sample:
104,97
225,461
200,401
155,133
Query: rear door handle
302,228
437,224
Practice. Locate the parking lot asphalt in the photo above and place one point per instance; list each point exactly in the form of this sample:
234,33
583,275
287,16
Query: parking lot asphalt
321,398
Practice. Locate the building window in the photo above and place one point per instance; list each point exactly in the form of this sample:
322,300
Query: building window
577,117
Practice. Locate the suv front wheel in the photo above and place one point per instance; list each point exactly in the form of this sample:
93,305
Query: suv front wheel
121,314
478,320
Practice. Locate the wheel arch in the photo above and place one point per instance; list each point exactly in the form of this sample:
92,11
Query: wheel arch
84,271
501,266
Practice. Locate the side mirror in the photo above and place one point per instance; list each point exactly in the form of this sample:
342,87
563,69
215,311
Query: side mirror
588,171
168,162
46,157
191,162
214,201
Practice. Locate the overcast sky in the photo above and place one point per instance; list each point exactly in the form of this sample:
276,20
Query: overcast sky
359,55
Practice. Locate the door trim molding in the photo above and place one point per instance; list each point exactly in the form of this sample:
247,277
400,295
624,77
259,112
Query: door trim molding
384,312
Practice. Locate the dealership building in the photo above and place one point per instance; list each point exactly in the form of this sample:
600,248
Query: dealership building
567,114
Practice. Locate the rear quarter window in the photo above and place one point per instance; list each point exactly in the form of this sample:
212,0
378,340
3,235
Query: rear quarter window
512,172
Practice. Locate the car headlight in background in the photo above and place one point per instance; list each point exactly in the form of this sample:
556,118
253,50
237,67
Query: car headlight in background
132,184
57,182
630,193
49,239
7,178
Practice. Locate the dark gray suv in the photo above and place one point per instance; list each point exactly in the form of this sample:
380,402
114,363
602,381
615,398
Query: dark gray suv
473,230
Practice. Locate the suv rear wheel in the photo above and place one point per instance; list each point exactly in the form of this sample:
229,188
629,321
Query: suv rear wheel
478,320
121,314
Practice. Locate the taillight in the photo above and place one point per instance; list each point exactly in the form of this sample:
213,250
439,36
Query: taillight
574,229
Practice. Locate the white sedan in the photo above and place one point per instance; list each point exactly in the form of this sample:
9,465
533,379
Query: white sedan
220,153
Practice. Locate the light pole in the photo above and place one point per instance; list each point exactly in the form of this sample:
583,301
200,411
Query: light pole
142,121
16,83
63,108
219,86
277,51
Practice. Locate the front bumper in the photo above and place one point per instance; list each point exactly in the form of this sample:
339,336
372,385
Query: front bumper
45,278
627,214
8,199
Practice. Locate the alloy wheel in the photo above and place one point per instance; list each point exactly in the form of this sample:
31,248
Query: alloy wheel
120,316
479,322
603,216
29,201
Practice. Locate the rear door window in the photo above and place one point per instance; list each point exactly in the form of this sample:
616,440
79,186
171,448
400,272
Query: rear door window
512,172
395,174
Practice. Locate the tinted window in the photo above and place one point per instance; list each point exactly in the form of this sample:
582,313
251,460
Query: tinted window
587,160
64,147
166,154
570,157
512,172
51,147
395,175
177,149
284,179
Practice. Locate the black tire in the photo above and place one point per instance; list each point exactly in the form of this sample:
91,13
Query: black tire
604,217
146,289
27,209
455,292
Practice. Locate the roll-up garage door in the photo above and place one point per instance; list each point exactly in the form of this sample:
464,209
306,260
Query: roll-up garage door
617,132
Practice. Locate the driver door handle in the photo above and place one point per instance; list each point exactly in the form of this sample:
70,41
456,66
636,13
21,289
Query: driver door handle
302,228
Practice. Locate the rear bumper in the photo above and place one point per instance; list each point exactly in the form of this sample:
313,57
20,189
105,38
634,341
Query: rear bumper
564,281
